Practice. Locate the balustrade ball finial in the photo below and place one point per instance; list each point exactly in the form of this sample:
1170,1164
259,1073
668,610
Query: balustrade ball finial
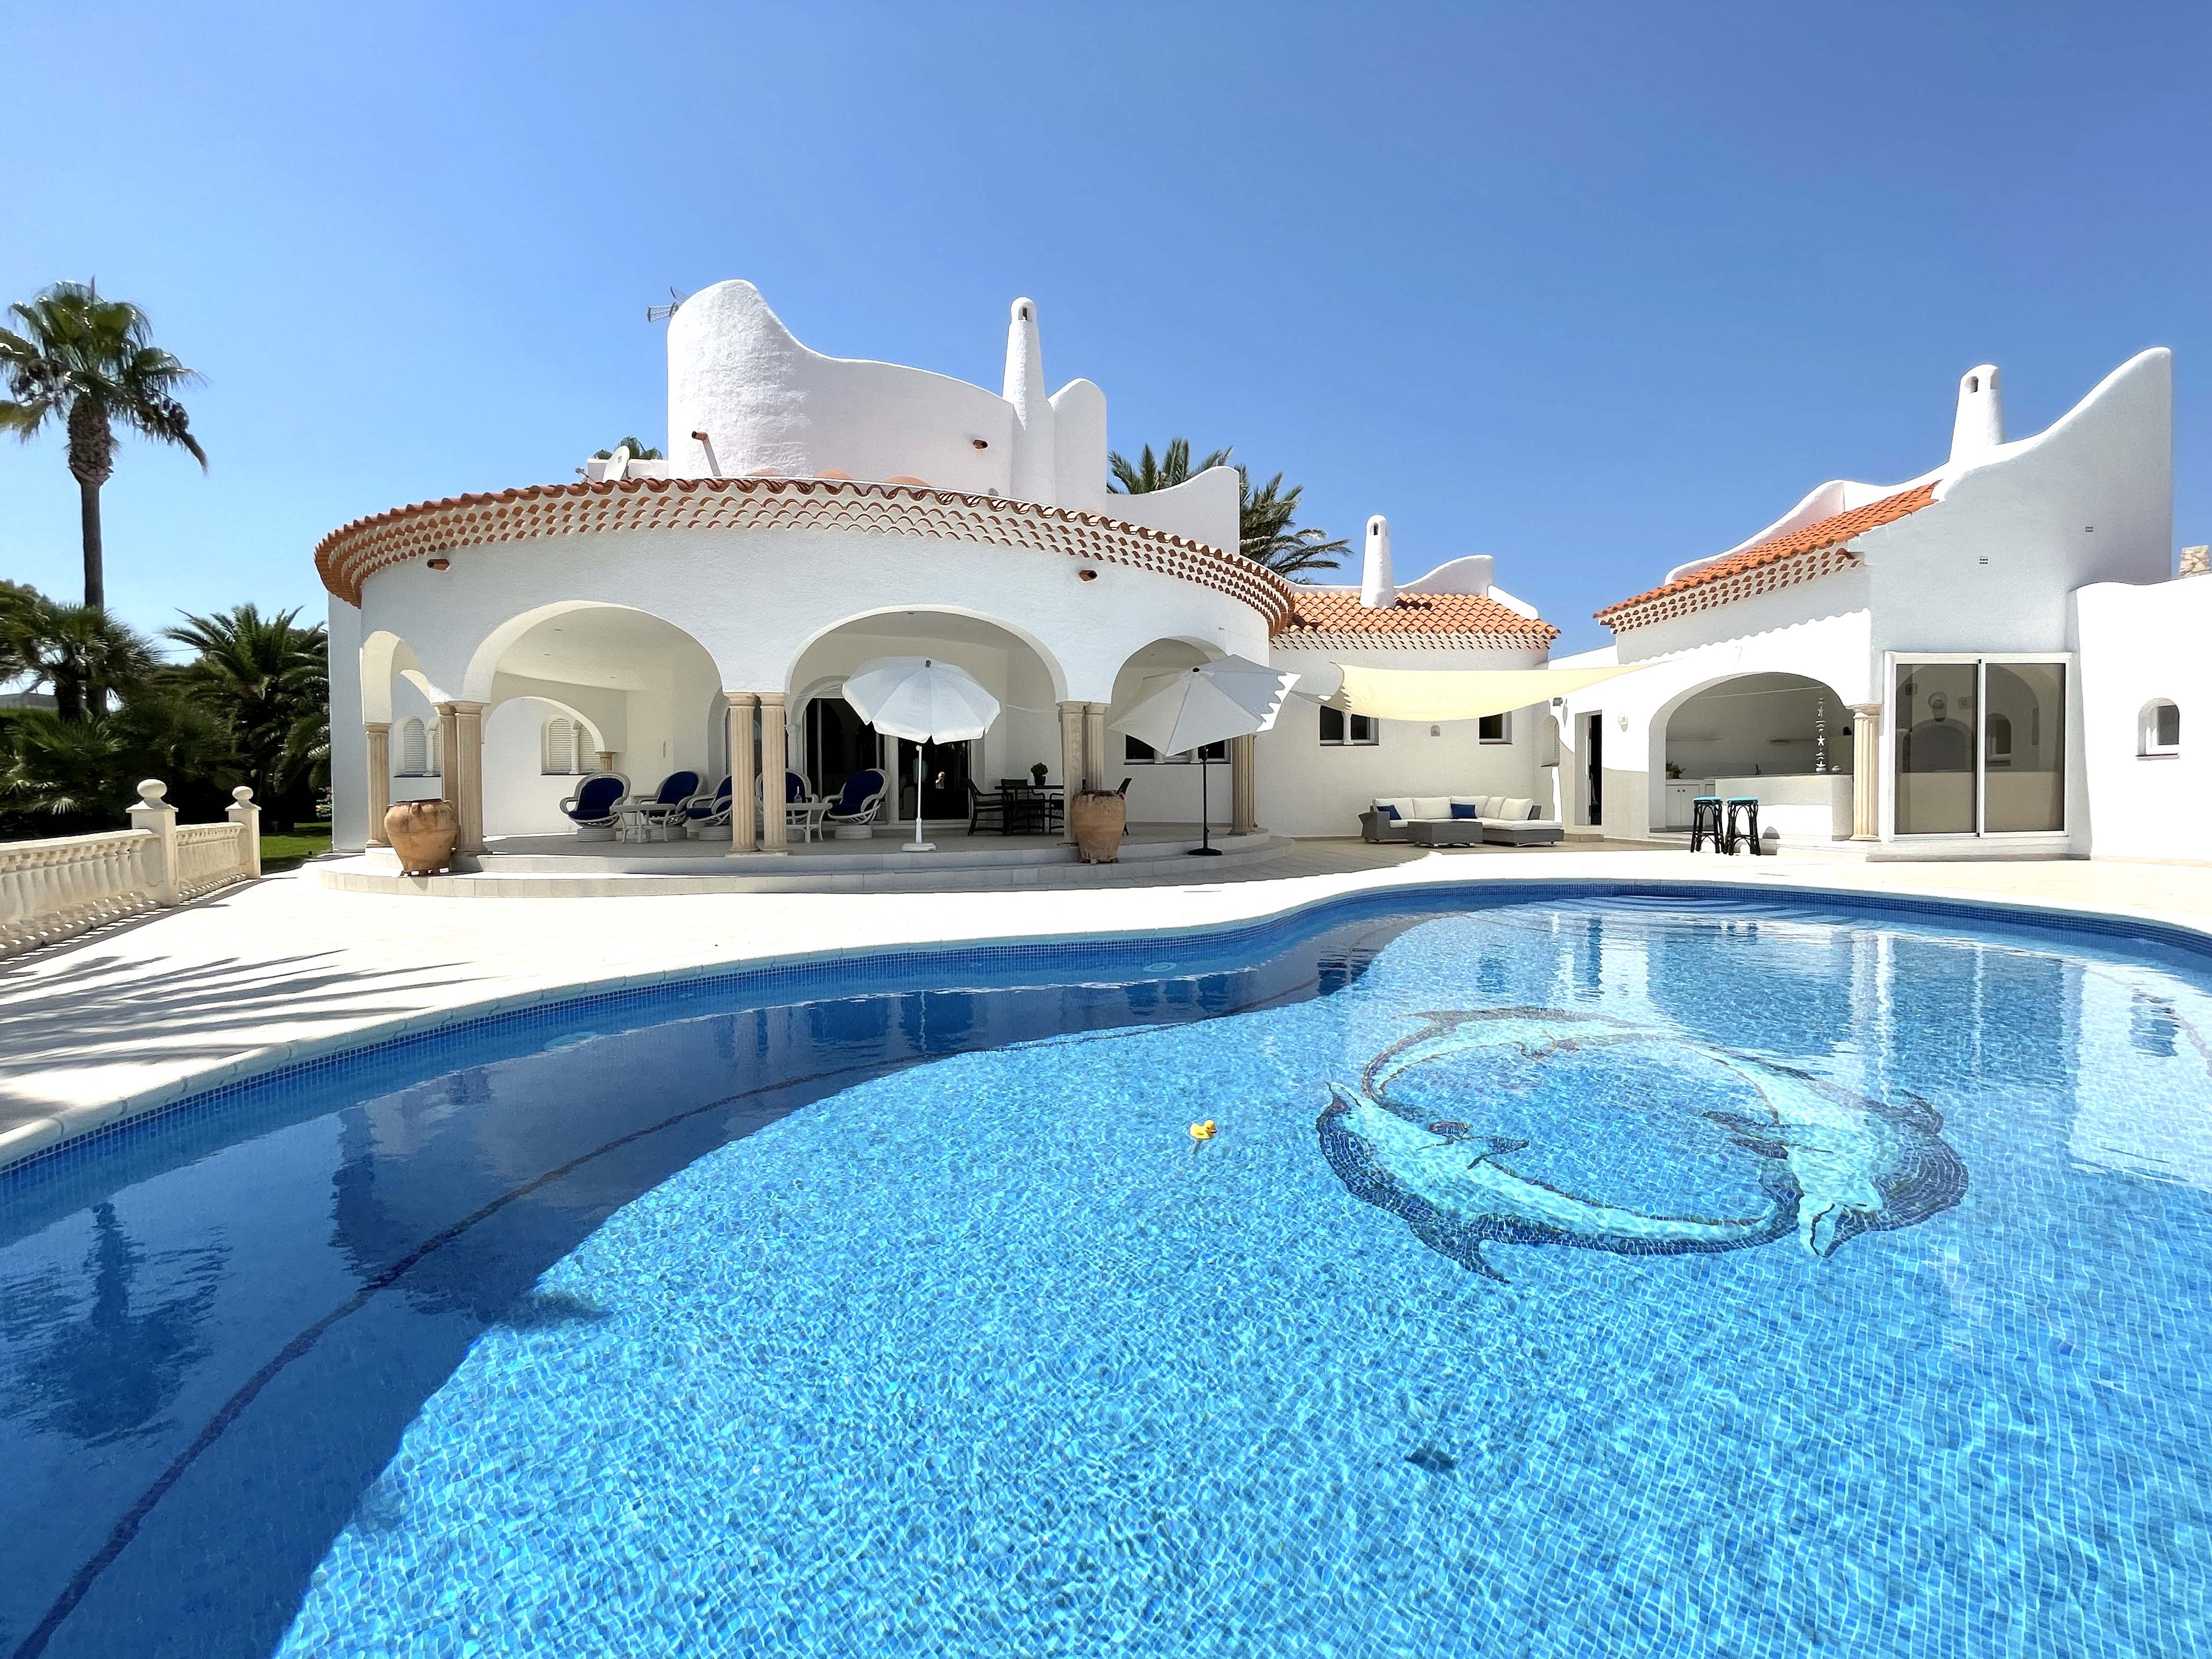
241,794
152,790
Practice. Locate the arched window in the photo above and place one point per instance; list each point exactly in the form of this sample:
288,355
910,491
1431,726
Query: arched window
2158,728
414,749
563,747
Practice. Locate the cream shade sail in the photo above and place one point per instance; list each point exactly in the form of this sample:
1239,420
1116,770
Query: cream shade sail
1450,694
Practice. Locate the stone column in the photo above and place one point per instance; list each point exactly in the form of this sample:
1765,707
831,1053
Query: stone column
1243,784
378,734
446,743
774,837
1071,764
1094,747
744,798
1866,771
460,735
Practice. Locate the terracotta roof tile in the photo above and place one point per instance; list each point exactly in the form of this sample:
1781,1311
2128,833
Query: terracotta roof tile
1821,536
1457,614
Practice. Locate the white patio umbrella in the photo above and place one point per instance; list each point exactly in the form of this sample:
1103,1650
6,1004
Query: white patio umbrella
922,700
1191,708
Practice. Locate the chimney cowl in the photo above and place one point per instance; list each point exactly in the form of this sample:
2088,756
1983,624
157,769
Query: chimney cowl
1376,590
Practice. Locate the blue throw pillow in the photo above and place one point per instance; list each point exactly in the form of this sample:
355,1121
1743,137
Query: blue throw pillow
1390,812
1459,812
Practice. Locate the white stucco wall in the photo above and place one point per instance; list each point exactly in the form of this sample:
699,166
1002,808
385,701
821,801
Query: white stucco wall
1991,566
519,797
1306,788
2138,644
755,599
348,754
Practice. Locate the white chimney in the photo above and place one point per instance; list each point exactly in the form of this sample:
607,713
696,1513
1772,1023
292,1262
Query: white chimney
1376,591
1980,424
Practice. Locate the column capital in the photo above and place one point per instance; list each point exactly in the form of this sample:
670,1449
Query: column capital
1865,710
376,726
741,699
460,706
770,699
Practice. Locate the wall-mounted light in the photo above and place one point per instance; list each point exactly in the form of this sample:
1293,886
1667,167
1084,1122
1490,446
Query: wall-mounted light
1086,575
441,564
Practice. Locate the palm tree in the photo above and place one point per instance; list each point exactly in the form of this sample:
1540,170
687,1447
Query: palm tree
57,774
78,651
91,364
267,678
1267,530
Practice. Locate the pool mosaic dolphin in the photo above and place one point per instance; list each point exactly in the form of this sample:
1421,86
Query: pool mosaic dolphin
1833,1163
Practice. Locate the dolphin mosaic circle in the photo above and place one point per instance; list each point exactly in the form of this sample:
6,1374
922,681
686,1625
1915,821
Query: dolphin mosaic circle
1839,1163
1564,1276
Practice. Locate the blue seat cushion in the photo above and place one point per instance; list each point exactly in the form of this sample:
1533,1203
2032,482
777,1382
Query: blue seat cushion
858,788
596,798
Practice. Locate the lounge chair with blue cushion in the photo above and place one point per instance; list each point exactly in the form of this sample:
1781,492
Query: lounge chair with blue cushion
859,802
660,815
707,817
596,807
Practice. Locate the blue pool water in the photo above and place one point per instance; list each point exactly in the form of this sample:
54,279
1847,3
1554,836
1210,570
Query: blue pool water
1579,1275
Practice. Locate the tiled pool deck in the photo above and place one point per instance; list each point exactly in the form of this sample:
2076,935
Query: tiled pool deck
125,1021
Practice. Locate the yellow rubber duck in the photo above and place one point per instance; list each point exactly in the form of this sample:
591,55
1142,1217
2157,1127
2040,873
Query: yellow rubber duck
1203,1131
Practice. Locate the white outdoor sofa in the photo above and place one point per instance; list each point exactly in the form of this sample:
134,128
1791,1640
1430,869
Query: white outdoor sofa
1432,821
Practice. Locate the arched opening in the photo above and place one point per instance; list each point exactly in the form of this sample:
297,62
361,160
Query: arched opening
1782,739
535,750
1163,788
568,684
397,694
828,742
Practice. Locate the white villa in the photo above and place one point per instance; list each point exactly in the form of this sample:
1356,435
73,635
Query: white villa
1989,658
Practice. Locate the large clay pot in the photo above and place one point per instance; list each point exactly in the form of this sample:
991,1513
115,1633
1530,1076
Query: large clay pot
1098,817
422,833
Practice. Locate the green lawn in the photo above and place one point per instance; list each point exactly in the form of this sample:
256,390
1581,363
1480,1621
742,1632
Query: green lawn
284,852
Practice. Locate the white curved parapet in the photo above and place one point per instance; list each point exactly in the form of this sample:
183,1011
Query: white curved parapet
2123,425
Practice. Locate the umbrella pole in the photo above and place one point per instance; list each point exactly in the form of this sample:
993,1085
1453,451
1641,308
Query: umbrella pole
918,845
1205,849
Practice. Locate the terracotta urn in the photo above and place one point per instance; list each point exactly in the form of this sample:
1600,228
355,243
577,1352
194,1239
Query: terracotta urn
1098,817
422,833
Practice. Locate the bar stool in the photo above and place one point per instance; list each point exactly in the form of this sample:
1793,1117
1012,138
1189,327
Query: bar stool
1742,806
1705,820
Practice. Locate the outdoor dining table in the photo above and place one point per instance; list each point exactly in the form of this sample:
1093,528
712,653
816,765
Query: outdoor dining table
1028,808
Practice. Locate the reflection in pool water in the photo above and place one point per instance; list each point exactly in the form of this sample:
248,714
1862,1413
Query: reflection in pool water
912,1321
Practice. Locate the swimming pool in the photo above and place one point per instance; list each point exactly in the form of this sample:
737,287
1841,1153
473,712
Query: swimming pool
1569,1273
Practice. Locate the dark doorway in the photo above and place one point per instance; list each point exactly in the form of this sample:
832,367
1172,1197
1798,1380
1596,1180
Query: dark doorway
1596,747
944,779
839,742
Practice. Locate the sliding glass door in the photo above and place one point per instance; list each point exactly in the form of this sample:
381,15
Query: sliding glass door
1981,747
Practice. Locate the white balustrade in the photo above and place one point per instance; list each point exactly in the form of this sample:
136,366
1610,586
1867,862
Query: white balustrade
54,890
208,856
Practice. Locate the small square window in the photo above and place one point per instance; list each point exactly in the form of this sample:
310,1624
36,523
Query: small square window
1494,728
1340,729
2160,731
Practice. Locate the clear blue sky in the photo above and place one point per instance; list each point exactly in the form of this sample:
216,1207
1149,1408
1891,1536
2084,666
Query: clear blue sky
1595,288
